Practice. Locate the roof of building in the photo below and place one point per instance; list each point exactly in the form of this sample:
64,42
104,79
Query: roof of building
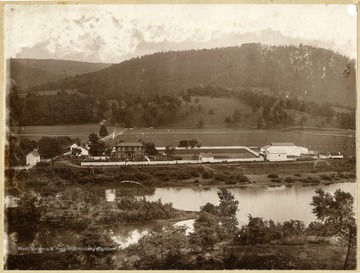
265,147
276,150
282,144
130,144
34,153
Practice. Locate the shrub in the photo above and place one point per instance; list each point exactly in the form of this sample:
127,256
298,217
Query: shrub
184,175
297,174
207,174
289,179
272,175
231,182
221,177
325,177
276,180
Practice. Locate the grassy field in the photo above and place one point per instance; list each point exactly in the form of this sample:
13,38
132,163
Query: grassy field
323,141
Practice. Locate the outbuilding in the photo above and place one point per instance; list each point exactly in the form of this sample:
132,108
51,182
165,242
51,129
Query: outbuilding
32,158
84,151
282,151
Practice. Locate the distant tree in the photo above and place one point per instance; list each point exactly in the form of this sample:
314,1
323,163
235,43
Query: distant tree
201,123
211,112
227,121
50,148
77,141
193,143
236,115
150,148
96,147
260,123
170,152
186,98
183,143
302,120
103,131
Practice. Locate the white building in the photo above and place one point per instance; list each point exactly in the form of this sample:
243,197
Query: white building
32,158
278,151
206,157
84,151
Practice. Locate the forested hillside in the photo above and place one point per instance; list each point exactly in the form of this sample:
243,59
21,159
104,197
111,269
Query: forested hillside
31,72
303,73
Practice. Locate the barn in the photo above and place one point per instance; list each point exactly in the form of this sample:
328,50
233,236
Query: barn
283,151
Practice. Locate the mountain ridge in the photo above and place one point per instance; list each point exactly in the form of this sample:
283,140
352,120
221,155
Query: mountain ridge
303,72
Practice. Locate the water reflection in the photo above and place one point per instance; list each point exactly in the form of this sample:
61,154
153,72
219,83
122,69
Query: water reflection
279,204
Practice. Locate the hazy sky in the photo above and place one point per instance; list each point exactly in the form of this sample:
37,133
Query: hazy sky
112,33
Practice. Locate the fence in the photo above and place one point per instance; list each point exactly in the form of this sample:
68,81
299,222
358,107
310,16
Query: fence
173,162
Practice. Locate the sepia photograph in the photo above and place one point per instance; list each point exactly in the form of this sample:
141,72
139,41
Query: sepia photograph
179,136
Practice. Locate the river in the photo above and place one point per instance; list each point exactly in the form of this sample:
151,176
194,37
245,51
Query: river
279,204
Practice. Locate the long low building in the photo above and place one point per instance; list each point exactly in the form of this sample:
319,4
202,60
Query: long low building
283,151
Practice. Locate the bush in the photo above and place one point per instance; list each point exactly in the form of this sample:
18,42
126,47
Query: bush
272,175
310,180
276,180
221,177
231,182
297,174
325,177
289,179
207,174
242,178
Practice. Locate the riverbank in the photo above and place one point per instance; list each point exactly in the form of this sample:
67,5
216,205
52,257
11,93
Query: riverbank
146,179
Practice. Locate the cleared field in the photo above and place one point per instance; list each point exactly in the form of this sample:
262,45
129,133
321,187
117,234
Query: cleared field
315,140
200,106
318,142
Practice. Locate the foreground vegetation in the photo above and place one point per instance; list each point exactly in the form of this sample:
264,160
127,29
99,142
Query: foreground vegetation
216,241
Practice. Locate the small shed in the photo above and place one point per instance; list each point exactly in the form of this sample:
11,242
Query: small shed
206,157
32,158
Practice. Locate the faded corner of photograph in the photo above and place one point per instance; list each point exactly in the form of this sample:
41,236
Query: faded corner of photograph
180,137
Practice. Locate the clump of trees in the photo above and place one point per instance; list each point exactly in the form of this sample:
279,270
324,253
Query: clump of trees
96,146
189,143
216,223
48,148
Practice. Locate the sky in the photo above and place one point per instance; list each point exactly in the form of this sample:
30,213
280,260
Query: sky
114,33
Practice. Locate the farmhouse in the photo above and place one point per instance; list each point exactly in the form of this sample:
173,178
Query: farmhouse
84,151
130,151
32,158
278,151
206,157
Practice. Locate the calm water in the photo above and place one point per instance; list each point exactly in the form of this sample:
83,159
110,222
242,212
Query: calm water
279,204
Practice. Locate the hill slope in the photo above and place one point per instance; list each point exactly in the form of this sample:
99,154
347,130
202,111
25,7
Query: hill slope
31,72
304,72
